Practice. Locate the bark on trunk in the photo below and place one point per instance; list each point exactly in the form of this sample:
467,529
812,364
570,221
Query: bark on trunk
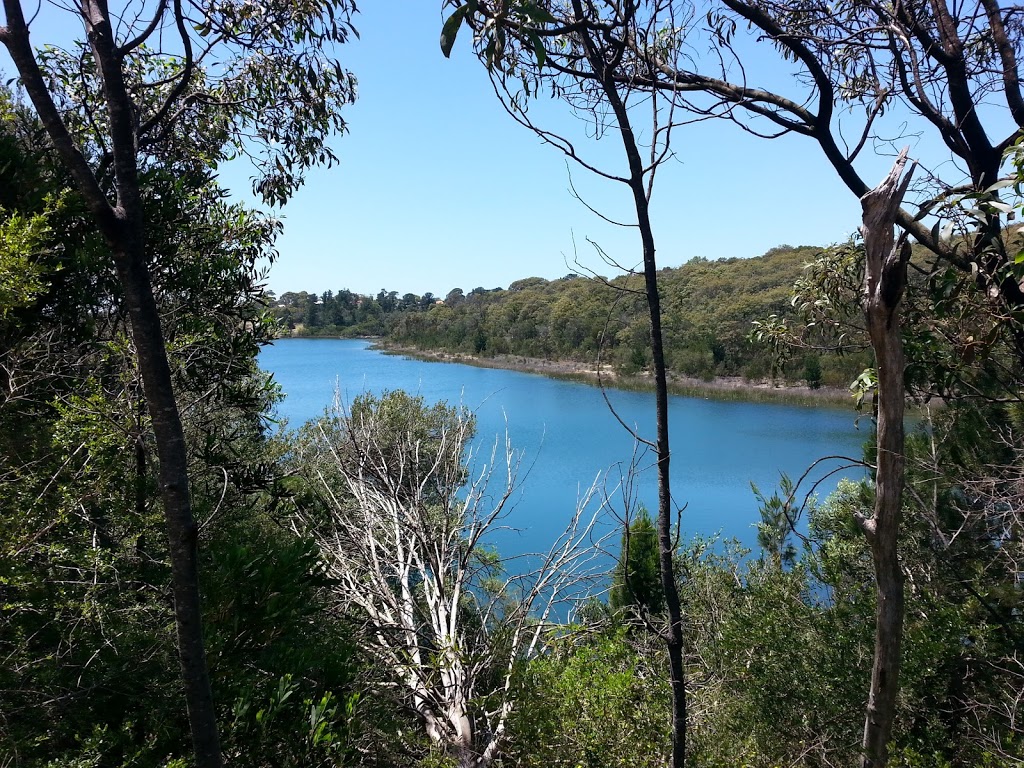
123,228
885,277
174,485
453,734
673,635
666,544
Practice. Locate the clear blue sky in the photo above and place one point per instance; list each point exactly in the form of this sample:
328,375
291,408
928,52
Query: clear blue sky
438,188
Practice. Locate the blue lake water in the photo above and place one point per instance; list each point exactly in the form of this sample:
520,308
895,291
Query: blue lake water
569,437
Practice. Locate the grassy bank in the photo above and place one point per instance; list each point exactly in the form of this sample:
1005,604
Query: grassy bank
727,389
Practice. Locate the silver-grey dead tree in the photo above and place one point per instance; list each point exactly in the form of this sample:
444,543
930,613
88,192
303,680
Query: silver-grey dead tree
405,541
885,279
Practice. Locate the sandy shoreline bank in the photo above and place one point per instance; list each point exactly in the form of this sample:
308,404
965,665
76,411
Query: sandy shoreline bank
726,388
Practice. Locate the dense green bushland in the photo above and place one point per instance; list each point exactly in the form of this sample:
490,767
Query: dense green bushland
89,674
709,310
780,652
778,645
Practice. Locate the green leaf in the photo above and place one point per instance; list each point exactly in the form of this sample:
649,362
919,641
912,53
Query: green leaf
1001,184
450,30
538,13
538,49
1000,206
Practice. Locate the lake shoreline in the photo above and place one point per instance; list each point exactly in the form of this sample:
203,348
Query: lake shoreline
566,438
726,388
733,388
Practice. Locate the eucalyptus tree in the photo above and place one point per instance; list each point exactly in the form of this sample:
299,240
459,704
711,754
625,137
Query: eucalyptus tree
182,86
583,53
87,627
868,77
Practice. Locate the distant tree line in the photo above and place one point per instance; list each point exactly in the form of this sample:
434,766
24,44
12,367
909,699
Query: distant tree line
710,309
345,313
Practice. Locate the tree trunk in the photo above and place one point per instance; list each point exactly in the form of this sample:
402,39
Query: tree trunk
123,229
182,531
673,635
885,277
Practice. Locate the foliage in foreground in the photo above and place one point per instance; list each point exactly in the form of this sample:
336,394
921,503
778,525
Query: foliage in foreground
90,676
778,649
779,657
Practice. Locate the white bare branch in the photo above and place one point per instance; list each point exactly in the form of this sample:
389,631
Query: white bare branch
406,539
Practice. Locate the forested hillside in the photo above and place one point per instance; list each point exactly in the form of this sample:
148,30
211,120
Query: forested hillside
710,308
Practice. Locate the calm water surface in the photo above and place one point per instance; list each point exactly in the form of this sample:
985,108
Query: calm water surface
569,437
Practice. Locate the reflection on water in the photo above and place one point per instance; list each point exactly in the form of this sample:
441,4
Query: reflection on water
568,437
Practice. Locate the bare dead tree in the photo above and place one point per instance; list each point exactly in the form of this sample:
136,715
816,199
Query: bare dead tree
406,543
885,277
153,85
885,260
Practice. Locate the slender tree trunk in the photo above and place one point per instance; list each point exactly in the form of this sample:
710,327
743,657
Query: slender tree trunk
666,545
673,635
182,531
123,229
885,277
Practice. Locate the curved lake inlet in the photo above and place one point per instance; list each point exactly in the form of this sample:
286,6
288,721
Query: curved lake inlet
568,437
